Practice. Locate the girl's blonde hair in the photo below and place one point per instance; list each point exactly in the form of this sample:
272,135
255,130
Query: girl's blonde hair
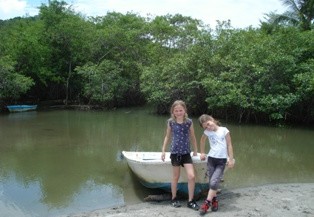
204,118
181,103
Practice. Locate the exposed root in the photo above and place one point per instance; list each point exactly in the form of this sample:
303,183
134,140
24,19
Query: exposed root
158,197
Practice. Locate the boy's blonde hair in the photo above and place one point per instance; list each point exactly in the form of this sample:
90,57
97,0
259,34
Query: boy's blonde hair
181,103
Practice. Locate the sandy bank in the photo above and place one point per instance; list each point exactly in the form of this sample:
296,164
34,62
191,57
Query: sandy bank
278,200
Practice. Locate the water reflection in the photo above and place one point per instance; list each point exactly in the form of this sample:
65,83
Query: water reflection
59,162
55,163
272,155
21,199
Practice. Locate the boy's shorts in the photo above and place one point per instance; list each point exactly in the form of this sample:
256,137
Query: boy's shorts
180,160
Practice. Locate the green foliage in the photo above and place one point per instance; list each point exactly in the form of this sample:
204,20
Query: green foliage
122,41
300,13
119,59
23,44
12,84
173,73
252,73
103,83
68,37
304,81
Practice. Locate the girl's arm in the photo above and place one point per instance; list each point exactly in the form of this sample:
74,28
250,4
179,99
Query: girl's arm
202,146
230,162
166,141
193,139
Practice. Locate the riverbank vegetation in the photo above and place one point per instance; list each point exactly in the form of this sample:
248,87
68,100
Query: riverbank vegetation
263,74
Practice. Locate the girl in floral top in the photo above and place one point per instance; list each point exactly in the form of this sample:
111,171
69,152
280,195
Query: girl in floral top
180,129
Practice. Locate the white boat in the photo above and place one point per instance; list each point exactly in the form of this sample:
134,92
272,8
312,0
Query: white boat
155,173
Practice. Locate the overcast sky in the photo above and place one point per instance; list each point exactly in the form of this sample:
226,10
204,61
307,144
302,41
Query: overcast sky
241,13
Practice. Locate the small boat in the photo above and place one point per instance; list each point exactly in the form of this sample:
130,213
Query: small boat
21,108
155,173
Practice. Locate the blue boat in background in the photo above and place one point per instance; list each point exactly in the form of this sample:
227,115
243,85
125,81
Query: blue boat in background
21,108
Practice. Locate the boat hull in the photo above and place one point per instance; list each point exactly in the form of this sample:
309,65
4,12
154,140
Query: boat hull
152,172
21,108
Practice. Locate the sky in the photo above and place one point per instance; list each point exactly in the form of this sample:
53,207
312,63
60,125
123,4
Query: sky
241,13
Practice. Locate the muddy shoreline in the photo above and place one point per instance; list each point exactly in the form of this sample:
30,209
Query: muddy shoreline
283,200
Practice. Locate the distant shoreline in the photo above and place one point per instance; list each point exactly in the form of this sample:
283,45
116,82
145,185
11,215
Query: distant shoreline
283,200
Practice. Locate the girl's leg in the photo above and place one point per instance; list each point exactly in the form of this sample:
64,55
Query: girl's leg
215,172
211,194
189,168
212,191
174,181
215,180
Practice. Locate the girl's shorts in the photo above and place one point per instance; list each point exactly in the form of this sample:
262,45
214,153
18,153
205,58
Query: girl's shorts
180,160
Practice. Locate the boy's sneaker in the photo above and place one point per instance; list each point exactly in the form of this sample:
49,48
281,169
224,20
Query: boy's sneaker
205,206
214,204
193,205
175,203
